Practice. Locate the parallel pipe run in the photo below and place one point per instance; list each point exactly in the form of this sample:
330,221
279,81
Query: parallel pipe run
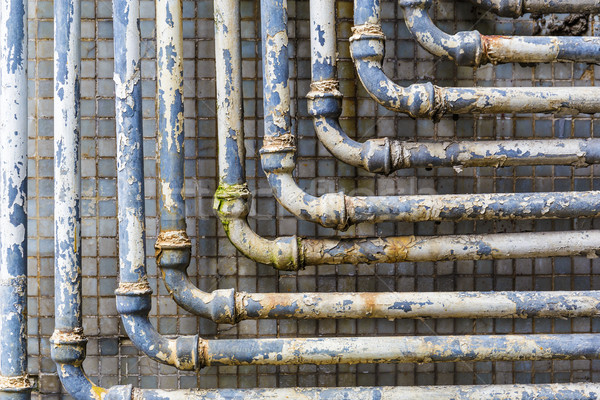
516,8
429,101
336,210
400,349
386,155
474,49
571,391
133,293
14,381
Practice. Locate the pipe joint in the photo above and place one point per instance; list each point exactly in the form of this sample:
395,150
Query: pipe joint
221,306
471,50
278,163
377,156
133,298
367,43
15,384
285,143
332,212
68,347
232,201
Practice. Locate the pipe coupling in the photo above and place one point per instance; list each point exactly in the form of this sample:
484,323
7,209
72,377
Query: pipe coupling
232,201
15,384
285,143
68,347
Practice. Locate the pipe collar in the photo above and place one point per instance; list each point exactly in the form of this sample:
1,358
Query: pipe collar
68,347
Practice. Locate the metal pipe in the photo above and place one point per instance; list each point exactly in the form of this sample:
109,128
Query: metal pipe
336,210
68,342
133,293
386,155
471,48
570,391
429,101
14,381
413,349
516,8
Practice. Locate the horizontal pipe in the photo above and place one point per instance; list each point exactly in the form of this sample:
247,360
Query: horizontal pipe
429,101
394,305
385,155
516,8
570,391
336,210
470,48
402,349
14,380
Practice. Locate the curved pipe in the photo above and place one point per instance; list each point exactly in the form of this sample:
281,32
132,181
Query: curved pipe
14,380
429,101
474,49
133,293
336,210
385,155
516,8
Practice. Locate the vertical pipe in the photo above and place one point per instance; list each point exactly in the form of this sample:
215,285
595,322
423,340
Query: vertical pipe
169,38
133,293
14,383
68,341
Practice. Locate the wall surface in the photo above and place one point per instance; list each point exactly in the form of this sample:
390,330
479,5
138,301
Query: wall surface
112,359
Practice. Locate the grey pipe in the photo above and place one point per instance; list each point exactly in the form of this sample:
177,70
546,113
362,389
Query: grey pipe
516,8
424,100
471,48
386,155
14,380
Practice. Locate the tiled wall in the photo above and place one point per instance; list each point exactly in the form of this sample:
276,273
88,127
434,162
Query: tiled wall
111,357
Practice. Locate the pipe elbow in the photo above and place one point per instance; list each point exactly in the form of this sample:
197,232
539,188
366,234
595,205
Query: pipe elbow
417,100
328,210
282,253
217,306
464,48
134,304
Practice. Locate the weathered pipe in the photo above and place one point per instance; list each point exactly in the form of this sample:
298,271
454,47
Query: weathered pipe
14,381
386,155
429,101
471,48
516,8
336,210
400,349
570,391
133,293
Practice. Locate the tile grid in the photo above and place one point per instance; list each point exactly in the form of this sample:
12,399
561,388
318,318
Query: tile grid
111,357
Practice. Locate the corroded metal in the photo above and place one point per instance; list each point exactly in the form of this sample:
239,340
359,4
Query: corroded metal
133,293
14,381
516,8
429,101
571,391
339,211
385,155
400,349
474,49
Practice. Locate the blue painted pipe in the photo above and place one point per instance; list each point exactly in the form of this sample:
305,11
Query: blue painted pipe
516,8
14,382
133,293
470,48
429,101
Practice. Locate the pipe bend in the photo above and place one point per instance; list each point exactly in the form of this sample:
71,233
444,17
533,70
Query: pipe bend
232,207
465,48
372,155
417,100
134,304
329,210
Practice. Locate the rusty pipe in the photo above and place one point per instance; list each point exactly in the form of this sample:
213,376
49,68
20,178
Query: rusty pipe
471,48
424,100
516,8
385,155
14,380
